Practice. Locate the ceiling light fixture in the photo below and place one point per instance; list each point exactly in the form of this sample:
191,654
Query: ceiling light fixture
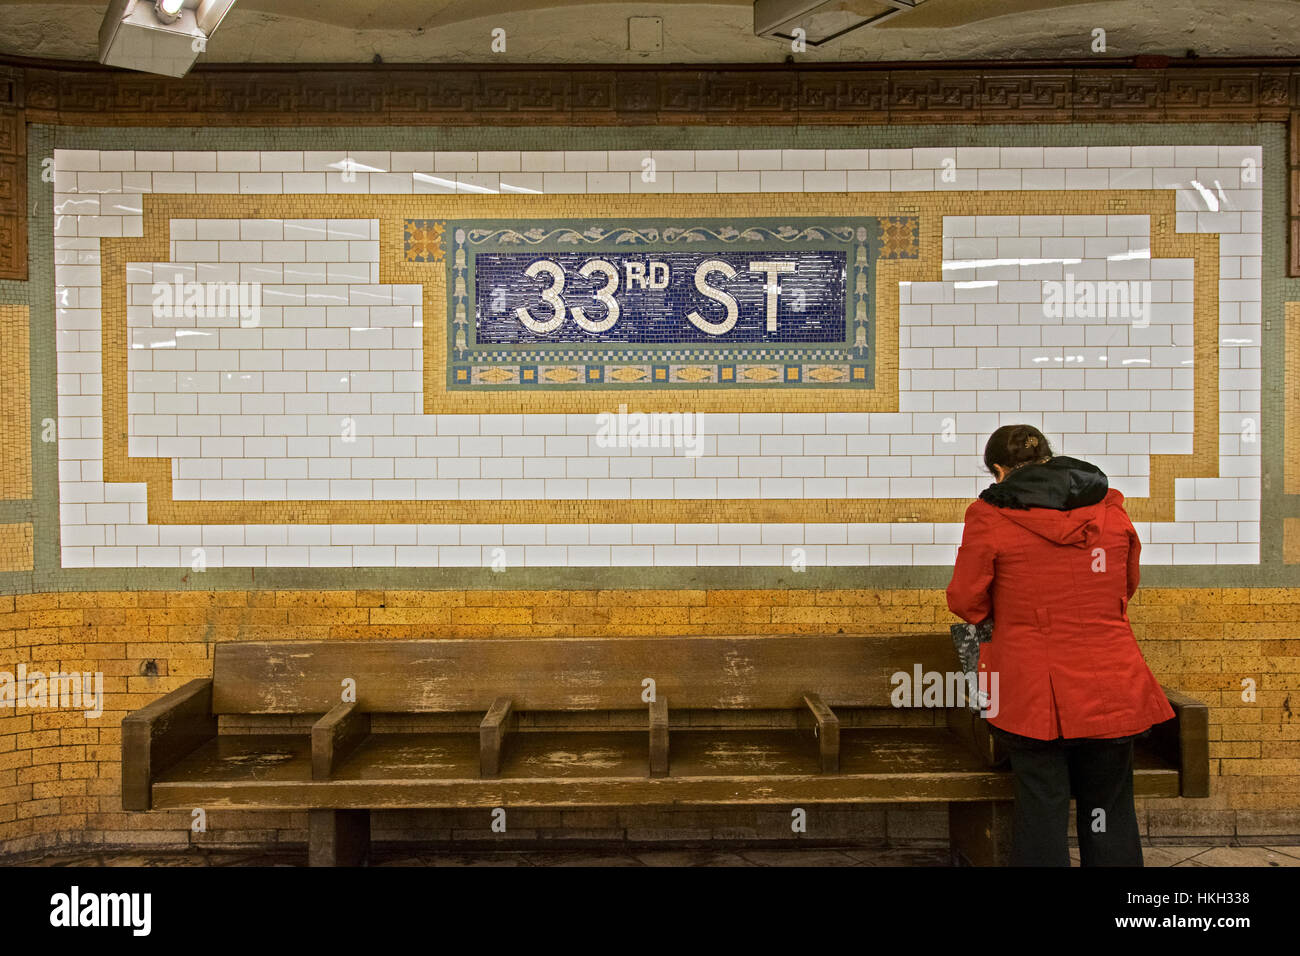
159,36
814,22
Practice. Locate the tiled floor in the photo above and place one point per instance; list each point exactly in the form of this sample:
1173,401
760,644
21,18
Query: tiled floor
1160,856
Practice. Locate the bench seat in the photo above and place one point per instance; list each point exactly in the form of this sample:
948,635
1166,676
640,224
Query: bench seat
441,770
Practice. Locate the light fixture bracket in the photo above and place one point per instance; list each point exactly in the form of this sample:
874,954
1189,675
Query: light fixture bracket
778,19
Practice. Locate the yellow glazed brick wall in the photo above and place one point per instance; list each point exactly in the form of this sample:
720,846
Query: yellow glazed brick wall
59,773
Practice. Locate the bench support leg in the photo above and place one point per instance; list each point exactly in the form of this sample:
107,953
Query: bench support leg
980,833
337,837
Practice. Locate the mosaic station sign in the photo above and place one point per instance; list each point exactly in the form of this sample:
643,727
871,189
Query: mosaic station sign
545,304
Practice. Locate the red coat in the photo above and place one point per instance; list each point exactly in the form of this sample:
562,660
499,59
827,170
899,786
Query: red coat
1058,585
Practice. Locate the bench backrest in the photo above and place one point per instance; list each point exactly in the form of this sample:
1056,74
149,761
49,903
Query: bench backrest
550,674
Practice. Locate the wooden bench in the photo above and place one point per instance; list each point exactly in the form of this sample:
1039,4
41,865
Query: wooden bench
786,721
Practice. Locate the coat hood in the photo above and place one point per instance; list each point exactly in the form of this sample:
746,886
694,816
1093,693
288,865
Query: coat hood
1061,500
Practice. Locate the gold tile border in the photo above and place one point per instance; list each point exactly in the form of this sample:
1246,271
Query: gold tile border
16,547
931,207
1291,396
15,404
1291,541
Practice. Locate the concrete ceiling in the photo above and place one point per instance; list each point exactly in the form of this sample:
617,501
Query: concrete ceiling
544,31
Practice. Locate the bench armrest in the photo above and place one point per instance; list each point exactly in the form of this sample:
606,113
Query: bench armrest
1184,740
159,734
335,736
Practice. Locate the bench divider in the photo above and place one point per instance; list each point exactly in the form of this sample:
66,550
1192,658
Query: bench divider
335,736
659,737
499,721
828,732
974,730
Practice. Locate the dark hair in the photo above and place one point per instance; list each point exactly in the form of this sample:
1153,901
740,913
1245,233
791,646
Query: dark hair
1014,445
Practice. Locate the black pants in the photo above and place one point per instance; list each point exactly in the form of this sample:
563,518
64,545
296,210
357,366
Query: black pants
1099,775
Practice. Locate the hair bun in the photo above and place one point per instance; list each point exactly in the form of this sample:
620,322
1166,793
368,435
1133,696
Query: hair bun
1011,446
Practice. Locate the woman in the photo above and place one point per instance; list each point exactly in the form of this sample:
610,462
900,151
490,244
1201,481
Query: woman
1050,554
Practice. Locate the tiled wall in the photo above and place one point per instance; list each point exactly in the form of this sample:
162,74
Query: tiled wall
253,414
204,467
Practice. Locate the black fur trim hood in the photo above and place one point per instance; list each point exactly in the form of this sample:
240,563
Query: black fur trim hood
1060,483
